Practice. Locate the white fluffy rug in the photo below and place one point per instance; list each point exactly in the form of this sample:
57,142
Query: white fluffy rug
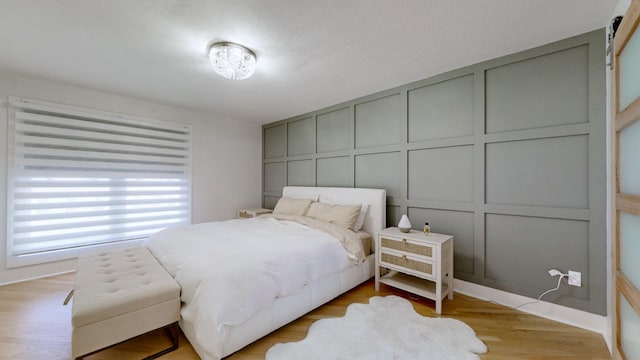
386,328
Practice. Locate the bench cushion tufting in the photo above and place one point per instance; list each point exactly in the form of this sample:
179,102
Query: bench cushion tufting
120,294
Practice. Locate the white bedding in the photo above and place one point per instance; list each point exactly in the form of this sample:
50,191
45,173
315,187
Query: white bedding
230,270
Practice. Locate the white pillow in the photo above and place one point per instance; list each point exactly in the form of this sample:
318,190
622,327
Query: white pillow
361,217
342,215
289,206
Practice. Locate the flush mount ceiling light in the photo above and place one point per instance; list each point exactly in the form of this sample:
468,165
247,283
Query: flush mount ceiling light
232,61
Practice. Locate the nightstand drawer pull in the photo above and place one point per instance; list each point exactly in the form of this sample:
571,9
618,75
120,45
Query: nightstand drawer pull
404,245
244,214
405,262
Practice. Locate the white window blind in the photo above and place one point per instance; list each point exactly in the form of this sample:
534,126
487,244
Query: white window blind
81,178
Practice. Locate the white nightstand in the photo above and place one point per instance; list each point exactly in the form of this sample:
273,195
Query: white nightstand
418,263
252,212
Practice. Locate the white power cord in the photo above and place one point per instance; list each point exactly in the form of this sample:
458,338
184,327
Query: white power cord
552,272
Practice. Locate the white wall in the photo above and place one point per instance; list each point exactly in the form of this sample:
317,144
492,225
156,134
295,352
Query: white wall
226,154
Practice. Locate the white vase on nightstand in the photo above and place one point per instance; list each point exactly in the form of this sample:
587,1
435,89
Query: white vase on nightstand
404,225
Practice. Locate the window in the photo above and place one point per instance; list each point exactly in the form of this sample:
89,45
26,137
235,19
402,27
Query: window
81,178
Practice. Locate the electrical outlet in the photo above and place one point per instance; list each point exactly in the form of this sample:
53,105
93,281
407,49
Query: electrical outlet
575,278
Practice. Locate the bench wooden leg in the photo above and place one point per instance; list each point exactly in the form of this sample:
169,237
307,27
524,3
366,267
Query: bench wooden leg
171,330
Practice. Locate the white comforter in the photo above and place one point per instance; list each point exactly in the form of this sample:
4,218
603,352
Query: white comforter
230,270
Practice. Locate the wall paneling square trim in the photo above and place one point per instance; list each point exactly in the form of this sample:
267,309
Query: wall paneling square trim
507,155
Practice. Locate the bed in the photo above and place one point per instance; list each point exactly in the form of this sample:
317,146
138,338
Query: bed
228,302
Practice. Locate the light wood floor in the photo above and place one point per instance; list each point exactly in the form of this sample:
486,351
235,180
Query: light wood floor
35,325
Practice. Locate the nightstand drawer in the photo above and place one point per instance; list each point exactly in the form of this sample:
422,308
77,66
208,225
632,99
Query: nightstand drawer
405,246
407,263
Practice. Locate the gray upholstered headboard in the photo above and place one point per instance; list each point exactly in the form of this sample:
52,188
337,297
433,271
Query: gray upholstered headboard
376,217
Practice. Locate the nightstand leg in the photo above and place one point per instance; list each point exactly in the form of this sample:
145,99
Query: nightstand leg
377,272
450,275
439,297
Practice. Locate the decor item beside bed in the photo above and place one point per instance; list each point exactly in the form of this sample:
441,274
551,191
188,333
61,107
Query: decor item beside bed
404,225
386,328
242,279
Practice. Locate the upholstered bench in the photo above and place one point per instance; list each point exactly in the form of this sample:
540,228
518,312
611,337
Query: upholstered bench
121,294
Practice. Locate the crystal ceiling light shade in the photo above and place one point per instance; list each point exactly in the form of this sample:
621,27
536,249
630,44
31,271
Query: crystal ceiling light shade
232,61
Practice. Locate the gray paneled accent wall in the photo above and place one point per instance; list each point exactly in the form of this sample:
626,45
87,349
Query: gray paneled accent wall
507,155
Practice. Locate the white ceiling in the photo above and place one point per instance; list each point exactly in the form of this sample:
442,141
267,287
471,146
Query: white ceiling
311,53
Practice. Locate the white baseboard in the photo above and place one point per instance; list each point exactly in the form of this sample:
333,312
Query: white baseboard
36,277
608,336
563,314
